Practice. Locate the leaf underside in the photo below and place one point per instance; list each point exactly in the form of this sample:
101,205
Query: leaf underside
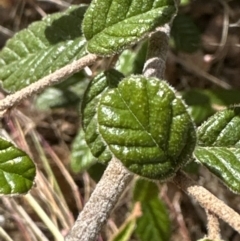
111,25
42,48
146,127
17,171
219,146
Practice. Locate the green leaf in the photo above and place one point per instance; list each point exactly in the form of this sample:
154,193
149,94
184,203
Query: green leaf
185,34
17,171
219,146
223,162
42,48
221,129
154,224
89,108
81,156
146,126
112,25
96,171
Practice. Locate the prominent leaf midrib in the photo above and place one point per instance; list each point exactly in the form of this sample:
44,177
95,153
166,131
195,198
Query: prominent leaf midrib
153,228
153,212
144,129
22,176
7,183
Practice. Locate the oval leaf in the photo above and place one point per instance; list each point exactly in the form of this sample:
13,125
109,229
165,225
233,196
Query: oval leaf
17,171
146,127
219,146
154,224
89,108
42,48
110,25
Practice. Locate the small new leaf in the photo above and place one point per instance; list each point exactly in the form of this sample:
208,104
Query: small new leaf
42,48
112,25
146,126
17,171
219,146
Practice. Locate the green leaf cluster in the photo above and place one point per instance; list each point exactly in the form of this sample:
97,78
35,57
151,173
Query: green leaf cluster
139,120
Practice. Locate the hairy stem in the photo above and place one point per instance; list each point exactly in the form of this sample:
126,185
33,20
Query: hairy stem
40,85
208,201
157,53
102,201
213,226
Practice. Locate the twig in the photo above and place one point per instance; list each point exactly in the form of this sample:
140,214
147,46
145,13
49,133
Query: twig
208,201
102,201
54,78
213,226
157,53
